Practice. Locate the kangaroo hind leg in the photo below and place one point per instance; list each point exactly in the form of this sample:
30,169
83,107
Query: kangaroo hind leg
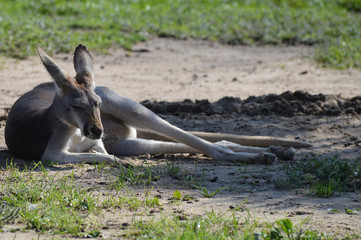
141,118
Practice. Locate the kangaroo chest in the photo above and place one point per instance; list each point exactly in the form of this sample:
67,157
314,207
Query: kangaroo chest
79,143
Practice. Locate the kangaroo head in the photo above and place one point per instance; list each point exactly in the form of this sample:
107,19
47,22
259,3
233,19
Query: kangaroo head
75,102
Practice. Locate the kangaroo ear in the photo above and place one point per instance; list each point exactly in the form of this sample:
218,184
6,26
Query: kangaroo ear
83,64
59,75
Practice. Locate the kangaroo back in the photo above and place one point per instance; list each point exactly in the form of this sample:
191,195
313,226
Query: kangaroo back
26,117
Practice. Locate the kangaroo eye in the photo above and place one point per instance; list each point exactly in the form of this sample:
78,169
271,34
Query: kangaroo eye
76,107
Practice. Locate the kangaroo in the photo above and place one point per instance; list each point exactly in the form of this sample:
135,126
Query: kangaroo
70,120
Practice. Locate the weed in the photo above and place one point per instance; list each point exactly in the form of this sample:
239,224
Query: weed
130,201
177,195
219,226
189,178
351,212
94,234
142,174
284,229
340,53
127,200
204,192
323,175
323,189
8,213
151,201
44,203
173,170
100,167
110,201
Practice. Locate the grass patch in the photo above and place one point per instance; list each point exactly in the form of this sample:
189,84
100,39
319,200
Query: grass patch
340,53
205,193
147,174
46,203
220,226
323,176
59,204
144,174
59,25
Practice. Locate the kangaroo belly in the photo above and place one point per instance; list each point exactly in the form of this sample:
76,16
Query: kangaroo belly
115,131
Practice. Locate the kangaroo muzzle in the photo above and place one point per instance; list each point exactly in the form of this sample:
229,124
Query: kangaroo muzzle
93,132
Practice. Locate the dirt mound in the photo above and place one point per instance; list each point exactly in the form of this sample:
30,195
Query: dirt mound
287,104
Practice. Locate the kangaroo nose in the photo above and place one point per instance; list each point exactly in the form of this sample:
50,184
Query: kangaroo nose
97,132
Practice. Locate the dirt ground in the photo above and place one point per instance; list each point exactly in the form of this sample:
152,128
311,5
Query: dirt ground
321,107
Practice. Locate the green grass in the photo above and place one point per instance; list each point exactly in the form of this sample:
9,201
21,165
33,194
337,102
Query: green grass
55,203
143,174
205,193
323,176
221,226
48,203
334,26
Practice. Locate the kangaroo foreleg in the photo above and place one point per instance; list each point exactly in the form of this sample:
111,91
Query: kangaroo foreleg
67,157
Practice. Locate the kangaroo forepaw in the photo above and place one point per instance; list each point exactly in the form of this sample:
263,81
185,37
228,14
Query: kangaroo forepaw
265,158
124,162
289,154
283,153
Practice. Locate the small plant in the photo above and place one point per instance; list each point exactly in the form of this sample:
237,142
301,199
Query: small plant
177,195
323,175
46,203
281,227
142,174
323,189
130,201
152,201
220,226
189,178
100,166
94,234
110,201
8,213
350,211
204,192
173,170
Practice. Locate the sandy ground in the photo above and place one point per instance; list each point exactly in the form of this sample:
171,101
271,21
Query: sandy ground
169,70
